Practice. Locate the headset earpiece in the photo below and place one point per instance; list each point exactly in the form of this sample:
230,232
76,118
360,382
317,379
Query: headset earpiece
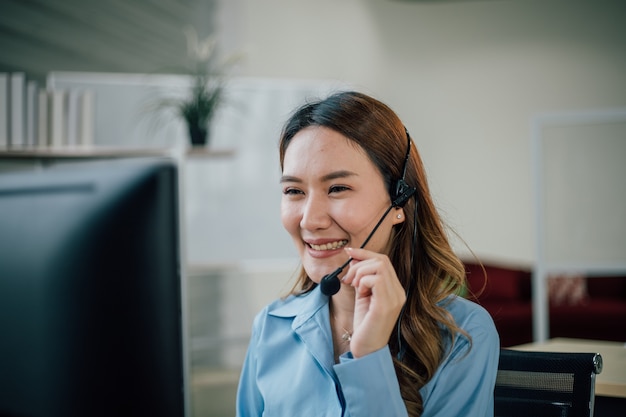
403,193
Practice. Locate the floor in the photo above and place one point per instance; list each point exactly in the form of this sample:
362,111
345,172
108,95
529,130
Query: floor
213,394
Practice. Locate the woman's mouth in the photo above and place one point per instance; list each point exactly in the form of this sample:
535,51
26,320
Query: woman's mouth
329,246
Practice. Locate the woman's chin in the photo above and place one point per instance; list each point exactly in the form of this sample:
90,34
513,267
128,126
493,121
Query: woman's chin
317,274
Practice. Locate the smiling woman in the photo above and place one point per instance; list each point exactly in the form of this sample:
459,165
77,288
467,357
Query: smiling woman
325,208
394,339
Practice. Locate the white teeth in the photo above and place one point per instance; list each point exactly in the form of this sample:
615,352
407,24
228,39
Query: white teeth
330,246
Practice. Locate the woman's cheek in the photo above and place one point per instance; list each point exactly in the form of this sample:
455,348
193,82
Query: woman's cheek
289,216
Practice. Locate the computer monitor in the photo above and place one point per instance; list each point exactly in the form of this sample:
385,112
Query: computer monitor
90,291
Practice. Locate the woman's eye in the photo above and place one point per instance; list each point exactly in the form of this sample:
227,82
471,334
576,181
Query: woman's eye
291,191
338,188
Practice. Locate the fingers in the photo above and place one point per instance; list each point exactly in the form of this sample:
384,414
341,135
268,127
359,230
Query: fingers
379,298
372,272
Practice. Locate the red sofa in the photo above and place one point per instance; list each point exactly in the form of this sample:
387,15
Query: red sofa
596,309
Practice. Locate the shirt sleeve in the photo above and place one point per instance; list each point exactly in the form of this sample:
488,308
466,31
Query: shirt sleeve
464,383
370,386
462,386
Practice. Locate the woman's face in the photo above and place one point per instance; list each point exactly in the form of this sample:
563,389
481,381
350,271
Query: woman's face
333,196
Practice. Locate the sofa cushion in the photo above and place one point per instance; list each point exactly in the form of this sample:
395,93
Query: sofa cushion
513,321
570,289
500,283
607,287
600,318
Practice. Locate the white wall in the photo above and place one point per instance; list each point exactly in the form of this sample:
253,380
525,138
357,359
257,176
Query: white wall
582,165
467,77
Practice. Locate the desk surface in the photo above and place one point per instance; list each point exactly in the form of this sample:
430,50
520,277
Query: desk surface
611,382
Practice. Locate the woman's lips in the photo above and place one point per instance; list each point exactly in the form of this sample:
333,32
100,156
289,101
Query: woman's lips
325,249
337,244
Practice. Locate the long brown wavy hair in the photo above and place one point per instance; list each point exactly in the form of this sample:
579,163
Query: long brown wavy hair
420,251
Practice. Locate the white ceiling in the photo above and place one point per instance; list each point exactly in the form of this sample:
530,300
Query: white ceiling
38,36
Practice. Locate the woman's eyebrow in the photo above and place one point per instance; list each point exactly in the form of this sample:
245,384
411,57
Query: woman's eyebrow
289,178
338,174
328,177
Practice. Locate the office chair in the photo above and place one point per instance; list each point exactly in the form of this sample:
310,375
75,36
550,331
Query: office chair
546,384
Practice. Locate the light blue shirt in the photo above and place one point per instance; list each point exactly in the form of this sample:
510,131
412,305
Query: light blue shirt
289,368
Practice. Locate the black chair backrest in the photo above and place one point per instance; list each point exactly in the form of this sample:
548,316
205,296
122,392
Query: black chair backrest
546,384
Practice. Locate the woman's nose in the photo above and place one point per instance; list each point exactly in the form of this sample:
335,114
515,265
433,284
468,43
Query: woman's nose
315,214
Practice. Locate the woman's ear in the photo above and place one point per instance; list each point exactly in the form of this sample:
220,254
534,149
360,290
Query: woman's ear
398,215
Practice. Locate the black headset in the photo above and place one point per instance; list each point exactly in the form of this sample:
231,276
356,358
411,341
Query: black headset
403,191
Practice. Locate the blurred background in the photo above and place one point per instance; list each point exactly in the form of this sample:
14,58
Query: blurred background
475,82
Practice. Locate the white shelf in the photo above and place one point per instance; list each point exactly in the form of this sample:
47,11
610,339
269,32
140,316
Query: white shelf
90,152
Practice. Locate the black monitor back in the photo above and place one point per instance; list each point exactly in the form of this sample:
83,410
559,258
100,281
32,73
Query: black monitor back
90,291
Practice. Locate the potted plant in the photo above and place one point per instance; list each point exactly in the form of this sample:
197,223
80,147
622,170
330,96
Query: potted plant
199,108
206,89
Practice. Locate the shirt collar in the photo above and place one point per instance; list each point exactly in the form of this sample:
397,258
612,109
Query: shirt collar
301,307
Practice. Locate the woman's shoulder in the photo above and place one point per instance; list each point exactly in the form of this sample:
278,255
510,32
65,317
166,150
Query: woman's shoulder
469,316
478,338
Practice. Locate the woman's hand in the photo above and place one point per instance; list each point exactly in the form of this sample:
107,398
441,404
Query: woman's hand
379,298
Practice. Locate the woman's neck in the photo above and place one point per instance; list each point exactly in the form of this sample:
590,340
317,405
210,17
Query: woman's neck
341,309
342,304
